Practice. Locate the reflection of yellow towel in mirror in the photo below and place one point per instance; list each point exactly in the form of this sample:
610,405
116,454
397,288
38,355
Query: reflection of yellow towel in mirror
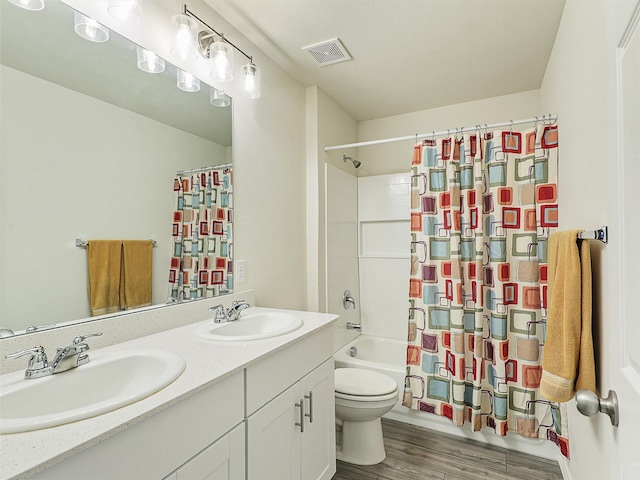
104,262
119,275
135,280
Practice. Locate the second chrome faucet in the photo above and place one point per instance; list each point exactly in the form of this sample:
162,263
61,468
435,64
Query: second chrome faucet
231,314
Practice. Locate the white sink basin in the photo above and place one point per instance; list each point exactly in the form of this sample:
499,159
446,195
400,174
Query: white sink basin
108,382
251,326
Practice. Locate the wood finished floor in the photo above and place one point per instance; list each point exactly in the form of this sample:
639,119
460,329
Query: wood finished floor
415,453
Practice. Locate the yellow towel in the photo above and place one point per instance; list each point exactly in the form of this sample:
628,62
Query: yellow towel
136,285
103,257
568,362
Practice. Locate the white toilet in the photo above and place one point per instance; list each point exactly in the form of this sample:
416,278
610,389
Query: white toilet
362,397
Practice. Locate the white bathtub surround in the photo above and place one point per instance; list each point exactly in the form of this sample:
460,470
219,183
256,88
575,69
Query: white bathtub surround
208,363
383,253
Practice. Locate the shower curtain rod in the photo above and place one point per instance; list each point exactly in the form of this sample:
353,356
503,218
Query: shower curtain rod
545,118
204,169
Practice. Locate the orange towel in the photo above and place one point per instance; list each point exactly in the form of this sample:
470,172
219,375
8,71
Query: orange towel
568,362
103,257
136,287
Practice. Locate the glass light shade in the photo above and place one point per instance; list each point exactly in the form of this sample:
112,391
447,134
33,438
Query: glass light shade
218,98
89,29
252,80
125,10
149,62
29,4
184,30
221,59
187,82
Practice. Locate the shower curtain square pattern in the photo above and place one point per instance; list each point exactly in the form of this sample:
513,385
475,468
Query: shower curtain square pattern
483,205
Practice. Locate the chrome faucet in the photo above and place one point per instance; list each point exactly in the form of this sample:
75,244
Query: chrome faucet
66,358
230,315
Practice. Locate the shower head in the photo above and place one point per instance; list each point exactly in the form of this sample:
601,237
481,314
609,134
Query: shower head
355,162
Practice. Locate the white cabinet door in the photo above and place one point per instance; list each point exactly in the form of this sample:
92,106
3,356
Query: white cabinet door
318,443
273,438
222,460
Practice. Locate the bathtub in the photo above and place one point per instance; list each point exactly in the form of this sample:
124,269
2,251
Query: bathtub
384,355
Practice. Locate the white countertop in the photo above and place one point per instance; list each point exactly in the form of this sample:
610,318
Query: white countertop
25,454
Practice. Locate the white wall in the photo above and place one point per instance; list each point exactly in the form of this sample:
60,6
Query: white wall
579,85
85,185
396,157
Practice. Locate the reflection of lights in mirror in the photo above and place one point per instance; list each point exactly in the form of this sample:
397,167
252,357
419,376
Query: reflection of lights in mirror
89,29
149,62
29,4
218,98
187,82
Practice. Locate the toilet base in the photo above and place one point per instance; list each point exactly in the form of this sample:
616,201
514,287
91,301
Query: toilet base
362,443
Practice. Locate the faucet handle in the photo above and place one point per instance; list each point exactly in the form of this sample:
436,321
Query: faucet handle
38,357
81,338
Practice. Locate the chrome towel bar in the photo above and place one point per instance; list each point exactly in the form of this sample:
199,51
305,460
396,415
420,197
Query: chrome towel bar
602,234
84,243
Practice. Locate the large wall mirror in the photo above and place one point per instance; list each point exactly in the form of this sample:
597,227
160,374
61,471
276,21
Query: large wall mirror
90,148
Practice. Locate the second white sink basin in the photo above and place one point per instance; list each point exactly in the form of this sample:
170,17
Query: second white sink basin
109,381
254,325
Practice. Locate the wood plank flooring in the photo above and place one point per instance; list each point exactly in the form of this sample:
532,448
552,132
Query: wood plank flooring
415,453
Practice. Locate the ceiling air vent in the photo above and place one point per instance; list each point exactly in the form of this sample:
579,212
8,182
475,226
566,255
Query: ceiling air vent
329,52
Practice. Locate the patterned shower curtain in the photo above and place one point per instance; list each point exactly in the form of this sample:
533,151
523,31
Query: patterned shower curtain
201,262
482,209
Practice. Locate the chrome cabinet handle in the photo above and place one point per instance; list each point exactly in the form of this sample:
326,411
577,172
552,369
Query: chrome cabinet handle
310,414
301,423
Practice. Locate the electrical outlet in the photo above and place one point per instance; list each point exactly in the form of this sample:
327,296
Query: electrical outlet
240,270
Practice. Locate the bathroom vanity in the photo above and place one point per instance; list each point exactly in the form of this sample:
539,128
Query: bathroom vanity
240,410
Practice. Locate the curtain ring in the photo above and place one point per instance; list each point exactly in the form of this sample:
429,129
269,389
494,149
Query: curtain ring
511,126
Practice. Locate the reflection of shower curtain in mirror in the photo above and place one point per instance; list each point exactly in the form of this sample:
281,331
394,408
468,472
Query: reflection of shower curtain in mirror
202,239
483,206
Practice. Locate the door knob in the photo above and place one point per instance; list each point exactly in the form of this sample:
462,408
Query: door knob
589,403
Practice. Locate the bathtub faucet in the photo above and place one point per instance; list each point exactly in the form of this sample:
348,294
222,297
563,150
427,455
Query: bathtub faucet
354,326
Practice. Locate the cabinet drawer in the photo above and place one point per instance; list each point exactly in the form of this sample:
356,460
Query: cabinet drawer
277,372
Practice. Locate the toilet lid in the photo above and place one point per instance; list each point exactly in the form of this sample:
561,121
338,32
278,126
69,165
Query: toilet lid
358,381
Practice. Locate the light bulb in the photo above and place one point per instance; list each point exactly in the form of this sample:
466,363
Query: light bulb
221,58
184,35
252,79
124,10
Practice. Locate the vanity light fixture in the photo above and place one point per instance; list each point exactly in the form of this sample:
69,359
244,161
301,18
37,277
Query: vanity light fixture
184,30
29,4
89,29
218,98
149,62
125,10
213,46
252,79
187,82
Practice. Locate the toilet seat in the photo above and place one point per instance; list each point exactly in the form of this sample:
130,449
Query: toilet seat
364,385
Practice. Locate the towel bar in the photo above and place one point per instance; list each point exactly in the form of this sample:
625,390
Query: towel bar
601,234
84,243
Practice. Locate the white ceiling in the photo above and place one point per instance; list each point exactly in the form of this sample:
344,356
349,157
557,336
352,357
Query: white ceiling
408,55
